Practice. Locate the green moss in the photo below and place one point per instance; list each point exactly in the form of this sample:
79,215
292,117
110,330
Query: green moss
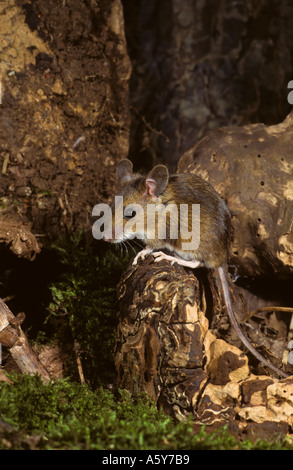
71,416
84,305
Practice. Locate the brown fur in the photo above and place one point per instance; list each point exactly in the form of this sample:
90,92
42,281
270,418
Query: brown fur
187,189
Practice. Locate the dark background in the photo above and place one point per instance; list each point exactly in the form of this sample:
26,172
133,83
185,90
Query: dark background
198,65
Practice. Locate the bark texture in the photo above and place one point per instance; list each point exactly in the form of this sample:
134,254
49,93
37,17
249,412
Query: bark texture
166,349
13,338
251,167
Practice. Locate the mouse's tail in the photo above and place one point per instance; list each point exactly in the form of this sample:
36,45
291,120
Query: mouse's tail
235,324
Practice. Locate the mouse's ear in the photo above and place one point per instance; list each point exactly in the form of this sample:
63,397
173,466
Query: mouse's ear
124,171
157,180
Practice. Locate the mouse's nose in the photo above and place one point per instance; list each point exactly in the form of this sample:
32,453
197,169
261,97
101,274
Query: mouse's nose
109,235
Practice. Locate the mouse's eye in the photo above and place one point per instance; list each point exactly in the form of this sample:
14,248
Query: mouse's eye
129,212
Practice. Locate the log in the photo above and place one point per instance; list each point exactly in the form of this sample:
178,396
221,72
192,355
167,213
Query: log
12,337
158,340
166,349
251,167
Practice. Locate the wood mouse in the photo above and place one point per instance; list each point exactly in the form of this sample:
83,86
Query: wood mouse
160,190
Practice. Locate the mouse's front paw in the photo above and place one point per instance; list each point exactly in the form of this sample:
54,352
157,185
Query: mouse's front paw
141,255
160,256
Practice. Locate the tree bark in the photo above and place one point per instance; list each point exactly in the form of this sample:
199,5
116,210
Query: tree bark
166,349
12,337
251,168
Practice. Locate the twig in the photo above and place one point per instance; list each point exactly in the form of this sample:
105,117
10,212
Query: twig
5,163
148,126
267,309
76,348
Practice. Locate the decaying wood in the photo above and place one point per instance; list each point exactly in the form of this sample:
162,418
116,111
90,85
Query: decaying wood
12,337
18,238
166,349
53,359
251,167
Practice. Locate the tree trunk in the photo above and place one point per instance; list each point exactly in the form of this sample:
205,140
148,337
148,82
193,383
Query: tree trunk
198,66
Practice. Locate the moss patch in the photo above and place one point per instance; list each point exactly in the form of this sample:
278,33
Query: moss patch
64,415
84,305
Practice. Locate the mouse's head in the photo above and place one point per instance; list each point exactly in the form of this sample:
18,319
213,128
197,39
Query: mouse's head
135,193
